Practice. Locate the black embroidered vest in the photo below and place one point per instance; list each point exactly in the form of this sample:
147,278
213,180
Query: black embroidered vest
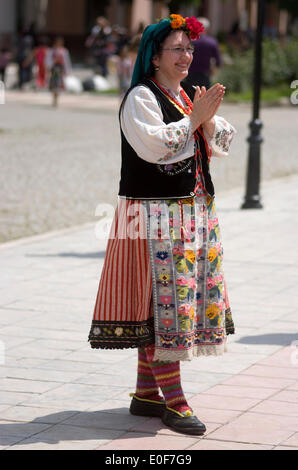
144,180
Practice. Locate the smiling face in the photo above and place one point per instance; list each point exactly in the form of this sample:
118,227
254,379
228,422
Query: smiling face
171,64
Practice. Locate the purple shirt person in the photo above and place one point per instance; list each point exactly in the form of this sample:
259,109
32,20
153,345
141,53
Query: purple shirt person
205,54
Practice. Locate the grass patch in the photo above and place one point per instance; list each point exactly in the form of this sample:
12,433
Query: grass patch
111,92
268,94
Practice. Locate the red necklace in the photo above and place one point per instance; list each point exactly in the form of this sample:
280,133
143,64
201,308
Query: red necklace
186,110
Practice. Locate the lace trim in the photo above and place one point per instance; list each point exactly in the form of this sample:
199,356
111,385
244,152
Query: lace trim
188,355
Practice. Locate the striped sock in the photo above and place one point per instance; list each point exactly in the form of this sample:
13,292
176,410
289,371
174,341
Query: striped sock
146,384
167,376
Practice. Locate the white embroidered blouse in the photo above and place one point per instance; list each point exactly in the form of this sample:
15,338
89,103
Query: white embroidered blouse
160,143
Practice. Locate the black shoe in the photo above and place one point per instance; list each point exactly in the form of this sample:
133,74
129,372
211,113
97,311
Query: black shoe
181,423
143,407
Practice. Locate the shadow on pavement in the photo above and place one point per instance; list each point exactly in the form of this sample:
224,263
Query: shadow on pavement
73,425
282,339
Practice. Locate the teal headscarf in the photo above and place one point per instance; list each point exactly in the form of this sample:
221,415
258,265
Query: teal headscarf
152,36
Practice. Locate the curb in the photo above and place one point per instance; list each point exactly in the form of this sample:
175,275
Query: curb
46,235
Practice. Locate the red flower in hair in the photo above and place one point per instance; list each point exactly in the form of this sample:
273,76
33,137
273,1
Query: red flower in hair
194,26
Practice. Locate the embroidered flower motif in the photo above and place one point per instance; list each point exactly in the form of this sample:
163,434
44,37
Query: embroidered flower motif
189,230
167,311
176,140
182,292
190,256
210,283
212,254
178,250
167,322
162,255
184,309
163,269
212,311
181,266
166,157
164,277
165,290
185,324
118,331
223,139
181,281
96,331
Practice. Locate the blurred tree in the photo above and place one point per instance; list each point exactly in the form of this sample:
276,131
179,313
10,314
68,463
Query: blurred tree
175,5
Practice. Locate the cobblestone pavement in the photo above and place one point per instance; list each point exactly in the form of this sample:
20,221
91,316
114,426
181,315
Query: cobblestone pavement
57,393
57,165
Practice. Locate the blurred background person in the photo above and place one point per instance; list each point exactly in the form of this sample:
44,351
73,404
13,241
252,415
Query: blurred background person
124,70
241,36
26,43
99,44
5,58
206,58
126,62
58,64
38,56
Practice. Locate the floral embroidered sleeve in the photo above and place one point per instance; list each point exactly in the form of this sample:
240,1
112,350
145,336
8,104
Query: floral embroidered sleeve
223,135
153,140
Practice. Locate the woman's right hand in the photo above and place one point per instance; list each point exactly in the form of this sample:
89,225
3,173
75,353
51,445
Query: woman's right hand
206,104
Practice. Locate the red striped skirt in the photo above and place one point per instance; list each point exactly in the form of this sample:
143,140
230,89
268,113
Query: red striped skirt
123,313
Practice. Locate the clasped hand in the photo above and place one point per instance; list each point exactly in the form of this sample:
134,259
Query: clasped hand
206,104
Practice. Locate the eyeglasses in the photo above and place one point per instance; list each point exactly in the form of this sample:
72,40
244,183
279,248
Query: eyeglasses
180,50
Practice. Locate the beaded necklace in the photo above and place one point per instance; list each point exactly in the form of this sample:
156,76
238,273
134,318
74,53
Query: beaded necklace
185,110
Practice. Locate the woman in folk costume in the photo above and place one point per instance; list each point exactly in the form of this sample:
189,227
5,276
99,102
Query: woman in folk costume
162,287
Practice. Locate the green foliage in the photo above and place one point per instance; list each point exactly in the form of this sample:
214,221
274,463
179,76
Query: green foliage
291,53
275,67
280,65
272,94
237,76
